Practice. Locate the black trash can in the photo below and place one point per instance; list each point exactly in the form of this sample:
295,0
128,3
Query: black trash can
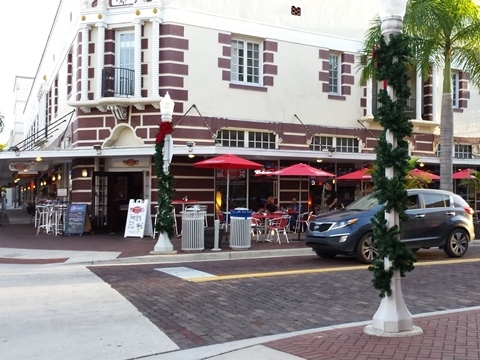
209,237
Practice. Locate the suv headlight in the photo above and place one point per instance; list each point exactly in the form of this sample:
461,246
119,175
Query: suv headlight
341,224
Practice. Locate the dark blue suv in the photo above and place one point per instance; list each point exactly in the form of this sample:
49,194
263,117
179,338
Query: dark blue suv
436,218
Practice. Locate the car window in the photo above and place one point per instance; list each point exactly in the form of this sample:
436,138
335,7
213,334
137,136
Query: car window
436,200
366,202
412,202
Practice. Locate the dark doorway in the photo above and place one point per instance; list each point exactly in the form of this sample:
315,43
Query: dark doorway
112,192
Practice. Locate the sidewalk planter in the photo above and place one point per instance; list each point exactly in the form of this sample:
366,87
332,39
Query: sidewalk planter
193,230
240,225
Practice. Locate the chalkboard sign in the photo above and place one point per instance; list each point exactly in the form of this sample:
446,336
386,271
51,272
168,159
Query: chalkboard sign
75,221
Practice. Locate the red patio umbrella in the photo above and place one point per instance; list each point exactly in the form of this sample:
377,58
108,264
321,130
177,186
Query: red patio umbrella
302,170
422,173
360,174
464,174
227,162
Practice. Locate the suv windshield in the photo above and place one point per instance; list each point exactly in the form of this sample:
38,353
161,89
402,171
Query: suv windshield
367,202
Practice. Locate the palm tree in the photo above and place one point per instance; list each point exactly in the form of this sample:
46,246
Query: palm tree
442,32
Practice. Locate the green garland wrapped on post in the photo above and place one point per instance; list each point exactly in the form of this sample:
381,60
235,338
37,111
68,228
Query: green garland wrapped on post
392,68
165,183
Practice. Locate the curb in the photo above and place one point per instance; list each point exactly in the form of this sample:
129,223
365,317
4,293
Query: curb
211,256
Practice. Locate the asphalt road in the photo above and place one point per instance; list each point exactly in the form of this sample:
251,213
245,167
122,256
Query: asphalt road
256,297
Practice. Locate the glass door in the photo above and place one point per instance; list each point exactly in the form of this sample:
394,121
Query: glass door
99,211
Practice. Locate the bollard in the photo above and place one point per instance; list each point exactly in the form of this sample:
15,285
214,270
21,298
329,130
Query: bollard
216,226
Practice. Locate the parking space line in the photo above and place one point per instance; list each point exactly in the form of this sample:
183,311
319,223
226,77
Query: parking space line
277,273
316,271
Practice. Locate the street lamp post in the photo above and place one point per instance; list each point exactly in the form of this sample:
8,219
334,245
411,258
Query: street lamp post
392,317
164,245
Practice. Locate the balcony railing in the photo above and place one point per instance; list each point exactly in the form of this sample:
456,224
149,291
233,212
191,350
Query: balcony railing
117,82
410,107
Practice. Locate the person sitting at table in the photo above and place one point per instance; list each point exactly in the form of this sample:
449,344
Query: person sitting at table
270,206
294,208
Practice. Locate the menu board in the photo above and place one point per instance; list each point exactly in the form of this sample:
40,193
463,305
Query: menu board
138,213
75,221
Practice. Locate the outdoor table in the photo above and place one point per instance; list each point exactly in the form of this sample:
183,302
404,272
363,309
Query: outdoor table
264,217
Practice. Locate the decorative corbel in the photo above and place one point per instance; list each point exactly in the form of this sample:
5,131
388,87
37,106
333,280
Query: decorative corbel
119,112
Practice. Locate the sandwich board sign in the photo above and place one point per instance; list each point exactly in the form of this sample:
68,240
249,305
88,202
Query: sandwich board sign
139,222
76,221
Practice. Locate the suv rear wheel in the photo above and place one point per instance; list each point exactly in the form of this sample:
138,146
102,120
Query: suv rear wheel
457,243
366,251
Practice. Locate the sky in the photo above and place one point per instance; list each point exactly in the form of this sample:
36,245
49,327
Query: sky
24,29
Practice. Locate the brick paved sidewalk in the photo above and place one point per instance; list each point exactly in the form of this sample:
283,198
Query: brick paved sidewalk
18,231
453,336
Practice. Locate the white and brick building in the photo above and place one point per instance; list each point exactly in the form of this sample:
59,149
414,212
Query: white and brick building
274,81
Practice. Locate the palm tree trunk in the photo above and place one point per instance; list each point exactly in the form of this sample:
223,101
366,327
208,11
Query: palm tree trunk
446,143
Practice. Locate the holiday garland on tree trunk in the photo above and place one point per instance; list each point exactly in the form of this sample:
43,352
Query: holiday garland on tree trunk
392,68
165,182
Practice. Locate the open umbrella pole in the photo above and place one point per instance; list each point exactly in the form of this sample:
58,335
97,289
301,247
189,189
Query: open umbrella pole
300,207
227,214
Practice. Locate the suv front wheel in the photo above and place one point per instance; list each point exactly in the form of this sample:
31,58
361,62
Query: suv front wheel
366,251
457,243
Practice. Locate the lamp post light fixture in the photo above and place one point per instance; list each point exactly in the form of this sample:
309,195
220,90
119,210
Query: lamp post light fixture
164,245
190,145
392,317
16,150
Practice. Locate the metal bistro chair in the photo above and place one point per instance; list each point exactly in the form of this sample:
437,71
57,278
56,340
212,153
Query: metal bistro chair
221,216
256,228
45,219
204,208
155,220
277,226
58,219
303,221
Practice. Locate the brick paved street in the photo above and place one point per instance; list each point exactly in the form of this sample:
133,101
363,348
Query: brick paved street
198,314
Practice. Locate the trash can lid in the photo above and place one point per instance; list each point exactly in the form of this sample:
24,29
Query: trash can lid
193,208
241,213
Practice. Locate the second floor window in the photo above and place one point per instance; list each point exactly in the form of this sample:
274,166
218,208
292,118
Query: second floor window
321,143
245,62
126,51
463,151
333,74
330,143
460,151
250,139
349,145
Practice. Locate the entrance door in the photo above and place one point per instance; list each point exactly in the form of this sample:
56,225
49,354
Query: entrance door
110,198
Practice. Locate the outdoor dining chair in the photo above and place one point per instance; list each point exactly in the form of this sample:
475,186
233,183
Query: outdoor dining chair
256,228
221,216
278,226
303,221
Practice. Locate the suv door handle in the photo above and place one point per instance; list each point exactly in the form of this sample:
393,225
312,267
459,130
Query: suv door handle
451,213
419,215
